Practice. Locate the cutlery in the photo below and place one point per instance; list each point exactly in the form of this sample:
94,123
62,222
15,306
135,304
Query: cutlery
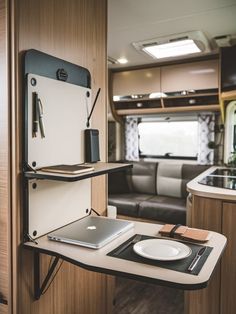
136,239
196,259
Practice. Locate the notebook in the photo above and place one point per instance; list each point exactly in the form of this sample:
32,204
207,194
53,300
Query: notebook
91,231
68,169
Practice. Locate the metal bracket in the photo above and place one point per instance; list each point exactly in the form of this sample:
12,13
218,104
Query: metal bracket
3,300
38,291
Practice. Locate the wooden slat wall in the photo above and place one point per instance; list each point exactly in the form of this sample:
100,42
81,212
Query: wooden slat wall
205,214
74,30
228,278
4,160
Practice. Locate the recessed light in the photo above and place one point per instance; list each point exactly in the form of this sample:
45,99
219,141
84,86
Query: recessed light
122,60
172,49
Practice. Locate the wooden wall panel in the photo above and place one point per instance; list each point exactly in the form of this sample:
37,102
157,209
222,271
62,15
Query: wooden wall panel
205,214
4,160
228,270
74,30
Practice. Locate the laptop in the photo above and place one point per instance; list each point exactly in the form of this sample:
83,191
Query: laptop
91,231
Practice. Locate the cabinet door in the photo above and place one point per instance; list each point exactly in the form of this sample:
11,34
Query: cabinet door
205,214
228,265
134,82
188,76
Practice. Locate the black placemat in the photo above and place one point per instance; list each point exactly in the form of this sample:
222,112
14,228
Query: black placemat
179,265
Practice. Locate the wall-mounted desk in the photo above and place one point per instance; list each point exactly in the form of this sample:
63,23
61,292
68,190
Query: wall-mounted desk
97,260
100,168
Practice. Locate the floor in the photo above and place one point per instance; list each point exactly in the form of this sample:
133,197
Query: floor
133,297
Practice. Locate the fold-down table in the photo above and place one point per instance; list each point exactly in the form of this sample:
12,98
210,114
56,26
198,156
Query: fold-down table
99,261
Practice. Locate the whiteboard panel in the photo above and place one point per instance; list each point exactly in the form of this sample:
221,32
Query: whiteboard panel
53,204
65,111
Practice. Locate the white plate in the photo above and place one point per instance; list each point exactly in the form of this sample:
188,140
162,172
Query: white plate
163,250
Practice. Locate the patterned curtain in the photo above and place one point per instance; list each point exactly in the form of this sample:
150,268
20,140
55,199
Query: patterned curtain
131,139
206,135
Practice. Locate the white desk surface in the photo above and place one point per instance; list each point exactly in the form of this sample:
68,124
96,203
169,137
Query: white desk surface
97,260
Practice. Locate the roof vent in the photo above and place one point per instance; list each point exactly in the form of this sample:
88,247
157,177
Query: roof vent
176,45
225,40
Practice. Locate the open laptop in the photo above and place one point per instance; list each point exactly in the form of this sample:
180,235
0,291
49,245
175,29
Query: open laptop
91,231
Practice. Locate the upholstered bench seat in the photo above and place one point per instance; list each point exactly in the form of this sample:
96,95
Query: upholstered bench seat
151,190
164,208
128,203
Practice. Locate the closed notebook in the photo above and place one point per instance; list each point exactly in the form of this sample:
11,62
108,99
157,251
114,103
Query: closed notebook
68,169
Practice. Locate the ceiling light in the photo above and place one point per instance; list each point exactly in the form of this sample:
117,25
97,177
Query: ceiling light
122,60
157,95
175,45
172,49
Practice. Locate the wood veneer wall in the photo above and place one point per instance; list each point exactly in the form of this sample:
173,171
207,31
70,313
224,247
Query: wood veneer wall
74,30
4,161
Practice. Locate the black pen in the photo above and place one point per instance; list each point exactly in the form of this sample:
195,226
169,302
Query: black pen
35,115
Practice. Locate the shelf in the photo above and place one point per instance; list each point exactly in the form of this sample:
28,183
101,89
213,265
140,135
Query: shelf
125,112
230,95
100,168
171,103
99,261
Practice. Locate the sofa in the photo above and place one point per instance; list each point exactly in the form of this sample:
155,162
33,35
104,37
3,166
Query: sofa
152,190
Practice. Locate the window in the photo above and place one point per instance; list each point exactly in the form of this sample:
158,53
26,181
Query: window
174,139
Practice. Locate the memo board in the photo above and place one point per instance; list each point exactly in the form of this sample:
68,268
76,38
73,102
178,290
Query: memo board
65,111
64,92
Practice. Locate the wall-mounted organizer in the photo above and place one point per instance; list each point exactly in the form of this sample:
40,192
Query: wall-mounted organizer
56,111
57,106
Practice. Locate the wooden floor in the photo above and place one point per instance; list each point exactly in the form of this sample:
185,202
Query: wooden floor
133,297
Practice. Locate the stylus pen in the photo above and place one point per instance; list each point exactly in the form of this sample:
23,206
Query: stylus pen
35,114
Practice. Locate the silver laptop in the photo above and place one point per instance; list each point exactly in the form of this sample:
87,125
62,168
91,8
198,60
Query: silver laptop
91,231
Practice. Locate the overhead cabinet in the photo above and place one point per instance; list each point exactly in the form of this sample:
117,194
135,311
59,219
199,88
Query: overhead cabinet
179,87
135,82
192,76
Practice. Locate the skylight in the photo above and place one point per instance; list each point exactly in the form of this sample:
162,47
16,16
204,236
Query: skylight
172,49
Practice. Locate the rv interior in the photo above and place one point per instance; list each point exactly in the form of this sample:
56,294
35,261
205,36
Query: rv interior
117,157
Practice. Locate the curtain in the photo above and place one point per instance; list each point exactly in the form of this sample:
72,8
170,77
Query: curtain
131,139
206,137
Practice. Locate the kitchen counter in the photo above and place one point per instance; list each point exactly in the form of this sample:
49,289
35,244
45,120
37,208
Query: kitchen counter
194,187
214,208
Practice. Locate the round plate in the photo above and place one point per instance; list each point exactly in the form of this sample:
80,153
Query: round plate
162,250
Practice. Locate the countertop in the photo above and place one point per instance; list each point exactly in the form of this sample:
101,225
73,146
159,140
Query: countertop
208,191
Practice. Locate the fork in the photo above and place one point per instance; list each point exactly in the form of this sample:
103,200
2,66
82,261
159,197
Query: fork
136,239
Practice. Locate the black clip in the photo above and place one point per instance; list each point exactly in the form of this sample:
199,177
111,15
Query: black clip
31,239
62,75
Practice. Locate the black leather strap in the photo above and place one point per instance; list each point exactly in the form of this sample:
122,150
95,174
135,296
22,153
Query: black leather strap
172,232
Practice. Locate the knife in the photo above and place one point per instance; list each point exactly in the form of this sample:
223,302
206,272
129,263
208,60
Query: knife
196,259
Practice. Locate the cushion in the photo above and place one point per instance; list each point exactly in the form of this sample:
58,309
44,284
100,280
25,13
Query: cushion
143,178
117,183
189,172
169,179
164,208
128,203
